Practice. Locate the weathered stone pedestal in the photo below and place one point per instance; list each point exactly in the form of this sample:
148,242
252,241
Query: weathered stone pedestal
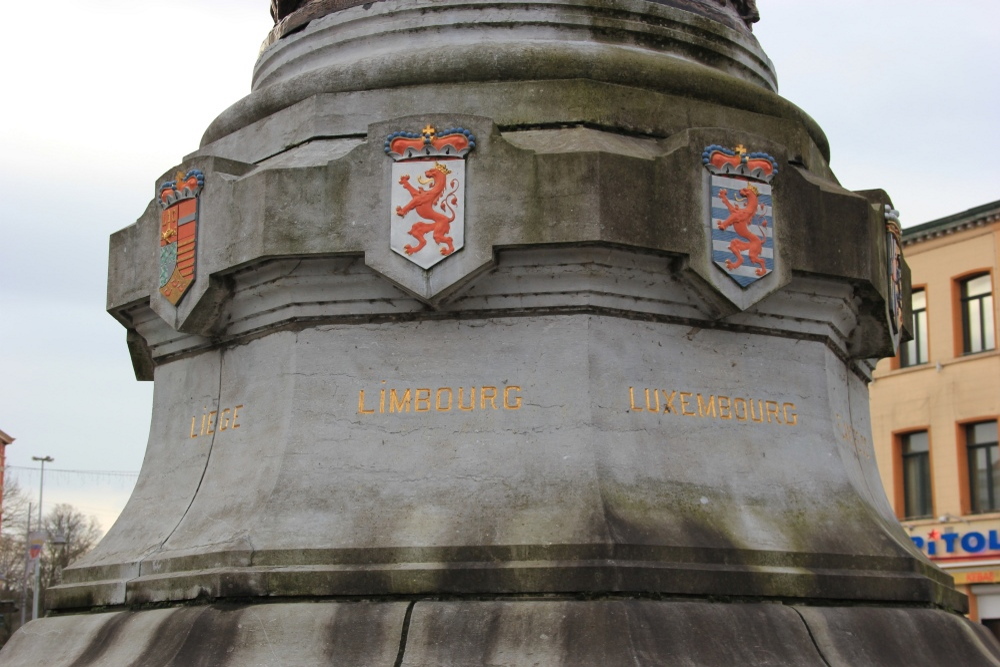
576,439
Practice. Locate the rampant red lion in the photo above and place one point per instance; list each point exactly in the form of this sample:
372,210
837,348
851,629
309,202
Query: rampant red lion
740,219
426,205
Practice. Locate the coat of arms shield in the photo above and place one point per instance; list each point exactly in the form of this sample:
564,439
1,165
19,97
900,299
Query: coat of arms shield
742,212
427,217
178,201
894,248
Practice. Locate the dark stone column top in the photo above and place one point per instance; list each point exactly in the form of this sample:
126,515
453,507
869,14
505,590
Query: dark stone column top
282,8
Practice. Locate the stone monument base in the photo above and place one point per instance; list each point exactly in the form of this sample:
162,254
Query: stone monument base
506,632
609,413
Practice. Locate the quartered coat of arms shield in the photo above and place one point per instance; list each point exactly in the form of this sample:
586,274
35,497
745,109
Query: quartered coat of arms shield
742,219
427,217
178,201
894,247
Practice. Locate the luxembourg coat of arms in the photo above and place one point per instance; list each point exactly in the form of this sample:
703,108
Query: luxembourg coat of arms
178,233
742,220
436,206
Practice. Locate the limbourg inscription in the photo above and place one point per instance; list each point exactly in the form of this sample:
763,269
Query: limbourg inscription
390,400
711,406
215,420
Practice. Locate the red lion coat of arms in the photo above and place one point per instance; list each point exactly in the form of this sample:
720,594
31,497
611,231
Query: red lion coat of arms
427,223
742,222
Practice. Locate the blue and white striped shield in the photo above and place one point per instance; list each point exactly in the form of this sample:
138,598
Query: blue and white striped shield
742,228
742,222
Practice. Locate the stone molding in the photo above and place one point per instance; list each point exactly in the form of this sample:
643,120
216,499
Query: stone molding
407,26
594,633
616,281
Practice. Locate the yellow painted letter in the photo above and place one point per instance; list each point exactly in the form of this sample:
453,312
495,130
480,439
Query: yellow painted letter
736,409
631,400
516,405
437,398
488,393
791,418
422,397
772,410
472,399
399,405
706,409
656,400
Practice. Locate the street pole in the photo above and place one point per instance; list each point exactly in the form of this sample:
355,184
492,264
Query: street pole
27,562
38,565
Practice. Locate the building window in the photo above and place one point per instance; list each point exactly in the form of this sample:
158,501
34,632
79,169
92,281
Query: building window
977,314
916,475
984,466
915,352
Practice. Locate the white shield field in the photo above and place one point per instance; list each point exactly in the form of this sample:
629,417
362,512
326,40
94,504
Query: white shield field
427,215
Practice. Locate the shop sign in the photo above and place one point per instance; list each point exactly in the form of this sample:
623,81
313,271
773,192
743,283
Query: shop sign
978,577
940,545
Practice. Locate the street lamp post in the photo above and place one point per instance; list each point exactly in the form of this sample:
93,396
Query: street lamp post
27,561
38,566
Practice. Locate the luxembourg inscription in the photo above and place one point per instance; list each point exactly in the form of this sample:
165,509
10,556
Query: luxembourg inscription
390,400
712,406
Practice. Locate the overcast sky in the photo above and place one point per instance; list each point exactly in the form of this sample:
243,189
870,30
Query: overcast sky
101,97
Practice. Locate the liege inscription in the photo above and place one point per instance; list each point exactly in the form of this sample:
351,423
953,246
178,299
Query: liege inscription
391,400
215,420
712,406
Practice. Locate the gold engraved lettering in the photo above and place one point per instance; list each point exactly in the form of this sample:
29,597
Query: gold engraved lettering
441,399
715,406
656,401
794,418
668,402
472,399
422,400
437,400
217,421
706,409
772,409
516,405
399,404
685,398
736,409
487,393
631,400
